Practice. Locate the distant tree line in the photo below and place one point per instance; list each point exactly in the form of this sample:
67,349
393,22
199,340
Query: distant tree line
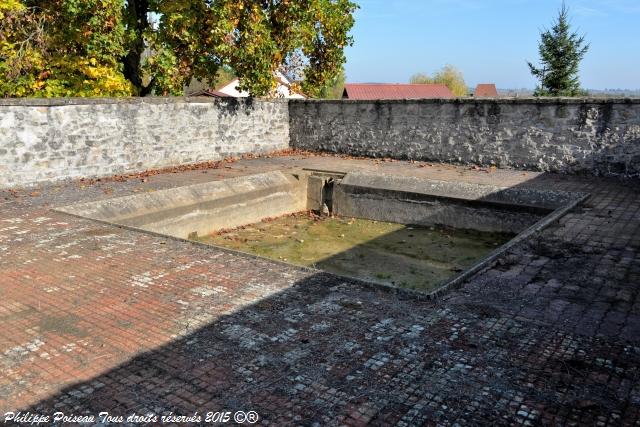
561,52
449,76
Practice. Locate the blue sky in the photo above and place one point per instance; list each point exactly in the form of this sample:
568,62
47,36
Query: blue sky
490,40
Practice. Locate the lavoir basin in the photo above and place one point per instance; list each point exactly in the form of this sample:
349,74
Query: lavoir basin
416,234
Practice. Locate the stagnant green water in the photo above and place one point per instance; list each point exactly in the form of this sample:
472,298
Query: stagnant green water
404,256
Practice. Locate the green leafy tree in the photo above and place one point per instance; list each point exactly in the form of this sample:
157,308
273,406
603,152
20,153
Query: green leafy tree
334,88
449,76
224,75
560,54
111,47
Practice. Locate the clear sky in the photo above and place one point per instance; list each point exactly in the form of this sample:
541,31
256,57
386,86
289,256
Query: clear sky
490,40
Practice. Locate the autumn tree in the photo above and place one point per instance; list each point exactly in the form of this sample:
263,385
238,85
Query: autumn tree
449,76
111,47
420,78
334,88
62,48
560,54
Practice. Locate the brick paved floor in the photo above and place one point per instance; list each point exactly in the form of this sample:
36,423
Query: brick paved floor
96,318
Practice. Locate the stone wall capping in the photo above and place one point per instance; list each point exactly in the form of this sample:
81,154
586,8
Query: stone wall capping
472,100
53,102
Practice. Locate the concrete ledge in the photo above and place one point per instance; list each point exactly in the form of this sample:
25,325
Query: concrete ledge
201,208
514,196
411,200
490,260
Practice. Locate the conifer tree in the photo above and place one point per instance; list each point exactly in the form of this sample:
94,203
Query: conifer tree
560,54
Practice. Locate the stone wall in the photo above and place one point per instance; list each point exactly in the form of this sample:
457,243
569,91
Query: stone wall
599,136
48,140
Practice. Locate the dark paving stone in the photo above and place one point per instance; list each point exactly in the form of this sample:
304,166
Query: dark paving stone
96,318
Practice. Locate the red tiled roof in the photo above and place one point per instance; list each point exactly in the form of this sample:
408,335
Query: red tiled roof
395,91
486,90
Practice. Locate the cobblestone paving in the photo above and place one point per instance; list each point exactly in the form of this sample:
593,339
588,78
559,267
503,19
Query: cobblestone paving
96,318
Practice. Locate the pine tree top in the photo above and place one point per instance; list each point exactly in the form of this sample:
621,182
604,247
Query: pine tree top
561,51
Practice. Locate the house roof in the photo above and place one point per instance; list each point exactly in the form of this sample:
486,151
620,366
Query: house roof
486,90
395,91
210,92
280,78
227,83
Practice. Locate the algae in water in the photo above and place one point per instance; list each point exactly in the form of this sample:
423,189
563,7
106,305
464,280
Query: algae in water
405,256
